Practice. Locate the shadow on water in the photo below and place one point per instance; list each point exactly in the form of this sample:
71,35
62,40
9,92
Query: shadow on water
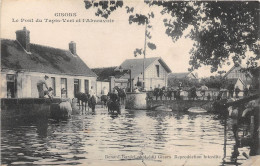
40,123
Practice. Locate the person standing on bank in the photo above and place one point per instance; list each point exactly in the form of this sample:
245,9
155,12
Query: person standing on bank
40,86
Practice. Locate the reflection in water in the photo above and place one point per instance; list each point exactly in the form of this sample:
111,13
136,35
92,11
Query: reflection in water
136,136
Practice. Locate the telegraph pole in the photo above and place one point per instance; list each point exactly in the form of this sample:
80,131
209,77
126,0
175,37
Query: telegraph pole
144,55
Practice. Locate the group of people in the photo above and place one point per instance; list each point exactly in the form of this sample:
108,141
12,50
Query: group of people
115,95
171,92
113,100
234,91
176,93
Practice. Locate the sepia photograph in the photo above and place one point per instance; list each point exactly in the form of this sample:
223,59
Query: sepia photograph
130,82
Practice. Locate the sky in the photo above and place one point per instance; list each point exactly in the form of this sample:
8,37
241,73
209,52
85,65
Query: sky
98,44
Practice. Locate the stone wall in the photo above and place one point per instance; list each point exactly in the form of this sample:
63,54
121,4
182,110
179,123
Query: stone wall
180,105
136,101
29,107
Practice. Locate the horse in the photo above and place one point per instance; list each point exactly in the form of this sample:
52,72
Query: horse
83,99
104,99
113,103
92,103
78,97
121,94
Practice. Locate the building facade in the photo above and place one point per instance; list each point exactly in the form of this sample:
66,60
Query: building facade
156,72
130,74
23,64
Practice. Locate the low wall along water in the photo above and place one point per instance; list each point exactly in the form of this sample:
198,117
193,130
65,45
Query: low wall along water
139,101
136,101
180,105
14,107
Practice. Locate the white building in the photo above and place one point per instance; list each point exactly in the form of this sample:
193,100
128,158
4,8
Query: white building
23,64
156,71
236,73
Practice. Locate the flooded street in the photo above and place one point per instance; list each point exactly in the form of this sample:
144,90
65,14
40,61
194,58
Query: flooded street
135,137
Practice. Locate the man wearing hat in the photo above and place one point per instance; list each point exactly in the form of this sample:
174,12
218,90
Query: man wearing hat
40,84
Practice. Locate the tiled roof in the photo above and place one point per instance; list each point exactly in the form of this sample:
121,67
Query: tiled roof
42,59
104,73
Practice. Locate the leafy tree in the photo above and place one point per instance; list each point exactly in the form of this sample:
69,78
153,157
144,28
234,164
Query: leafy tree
219,29
214,82
186,82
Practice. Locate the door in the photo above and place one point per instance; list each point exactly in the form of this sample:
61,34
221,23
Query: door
86,86
64,89
53,86
76,86
11,85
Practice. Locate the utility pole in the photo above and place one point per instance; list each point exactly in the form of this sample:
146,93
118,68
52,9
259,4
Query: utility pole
144,55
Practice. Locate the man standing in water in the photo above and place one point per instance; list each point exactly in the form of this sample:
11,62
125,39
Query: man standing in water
40,84
93,99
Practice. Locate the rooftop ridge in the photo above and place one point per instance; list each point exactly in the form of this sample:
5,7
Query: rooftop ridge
43,58
104,67
40,45
143,58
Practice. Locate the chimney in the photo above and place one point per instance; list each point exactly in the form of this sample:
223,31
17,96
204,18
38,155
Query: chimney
72,47
23,37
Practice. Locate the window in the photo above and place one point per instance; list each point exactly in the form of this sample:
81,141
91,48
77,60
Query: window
53,86
157,70
86,86
63,83
11,86
76,86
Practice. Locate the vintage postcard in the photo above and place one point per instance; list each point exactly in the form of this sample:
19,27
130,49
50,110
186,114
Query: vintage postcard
132,82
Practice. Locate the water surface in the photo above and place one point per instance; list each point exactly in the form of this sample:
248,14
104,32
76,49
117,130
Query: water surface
135,137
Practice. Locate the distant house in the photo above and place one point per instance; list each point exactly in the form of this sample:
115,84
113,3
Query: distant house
156,72
237,82
189,75
235,72
23,64
108,78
